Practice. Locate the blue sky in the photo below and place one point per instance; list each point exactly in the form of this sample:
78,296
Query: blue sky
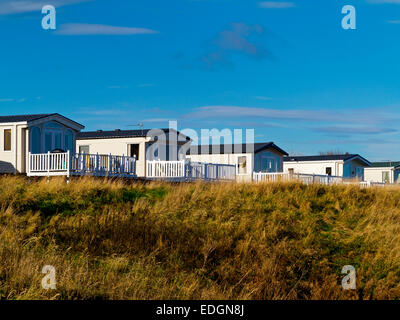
285,68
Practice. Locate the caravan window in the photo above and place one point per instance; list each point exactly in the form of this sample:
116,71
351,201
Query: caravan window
386,177
84,149
268,164
134,150
7,139
242,165
35,140
69,140
52,125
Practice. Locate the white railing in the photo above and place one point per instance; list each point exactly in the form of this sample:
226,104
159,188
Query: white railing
315,178
49,164
305,178
368,184
103,165
210,171
52,164
185,170
312,178
270,177
165,169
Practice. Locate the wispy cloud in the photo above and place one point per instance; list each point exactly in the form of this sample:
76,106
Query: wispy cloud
276,5
73,29
13,100
156,120
229,112
118,87
22,6
351,130
236,111
394,21
239,38
104,112
262,98
384,1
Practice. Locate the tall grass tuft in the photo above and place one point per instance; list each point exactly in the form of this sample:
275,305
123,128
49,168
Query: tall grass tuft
109,239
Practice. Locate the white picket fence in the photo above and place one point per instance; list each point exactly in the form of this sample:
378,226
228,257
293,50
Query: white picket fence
210,171
186,170
310,179
368,184
65,164
165,169
270,177
49,164
305,178
103,165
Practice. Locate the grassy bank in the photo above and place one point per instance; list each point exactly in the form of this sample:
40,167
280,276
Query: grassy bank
108,240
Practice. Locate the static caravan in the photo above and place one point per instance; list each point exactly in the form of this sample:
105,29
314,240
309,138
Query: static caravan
383,172
145,145
247,158
34,133
348,166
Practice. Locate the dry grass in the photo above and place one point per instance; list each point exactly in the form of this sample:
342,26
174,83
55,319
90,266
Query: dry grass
110,240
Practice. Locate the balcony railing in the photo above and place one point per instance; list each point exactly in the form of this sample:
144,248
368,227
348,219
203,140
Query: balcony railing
210,171
57,164
305,178
186,170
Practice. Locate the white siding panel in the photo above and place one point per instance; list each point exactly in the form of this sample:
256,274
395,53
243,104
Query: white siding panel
314,167
376,174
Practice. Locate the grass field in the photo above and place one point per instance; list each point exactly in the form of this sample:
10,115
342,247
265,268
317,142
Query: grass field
110,240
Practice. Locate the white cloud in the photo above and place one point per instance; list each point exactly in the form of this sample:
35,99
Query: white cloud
355,129
263,98
276,5
22,6
394,21
156,120
384,1
13,100
72,29
226,112
104,112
